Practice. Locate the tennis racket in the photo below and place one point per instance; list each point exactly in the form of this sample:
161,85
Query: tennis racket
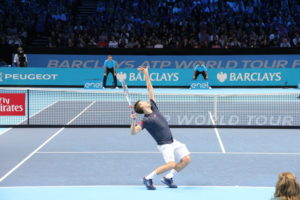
121,77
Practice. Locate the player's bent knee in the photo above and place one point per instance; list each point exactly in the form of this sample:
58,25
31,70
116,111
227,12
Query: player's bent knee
171,164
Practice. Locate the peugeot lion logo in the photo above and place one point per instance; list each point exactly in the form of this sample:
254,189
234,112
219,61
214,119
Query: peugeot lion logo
222,77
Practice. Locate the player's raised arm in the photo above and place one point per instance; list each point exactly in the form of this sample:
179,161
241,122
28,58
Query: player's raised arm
134,127
148,81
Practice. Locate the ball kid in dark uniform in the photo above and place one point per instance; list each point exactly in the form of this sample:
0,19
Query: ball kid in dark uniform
200,69
157,126
110,65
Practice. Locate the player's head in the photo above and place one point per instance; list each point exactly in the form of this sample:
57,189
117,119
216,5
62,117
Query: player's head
140,106
109,57
20,50
287,186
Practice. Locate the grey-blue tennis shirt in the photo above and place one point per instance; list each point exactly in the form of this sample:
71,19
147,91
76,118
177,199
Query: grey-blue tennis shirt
157,125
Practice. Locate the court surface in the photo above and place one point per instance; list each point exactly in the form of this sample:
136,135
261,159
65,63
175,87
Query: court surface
108,163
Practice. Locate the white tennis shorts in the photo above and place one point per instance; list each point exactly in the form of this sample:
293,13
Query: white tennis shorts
174,151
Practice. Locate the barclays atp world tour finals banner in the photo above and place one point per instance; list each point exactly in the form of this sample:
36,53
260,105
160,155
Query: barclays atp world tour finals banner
160,77
167,61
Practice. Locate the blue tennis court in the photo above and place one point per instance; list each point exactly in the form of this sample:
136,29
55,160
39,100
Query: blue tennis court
108,163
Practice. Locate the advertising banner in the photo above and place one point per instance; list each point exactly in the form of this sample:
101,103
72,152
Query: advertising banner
12,104
199,85
167,61
159,77
44,76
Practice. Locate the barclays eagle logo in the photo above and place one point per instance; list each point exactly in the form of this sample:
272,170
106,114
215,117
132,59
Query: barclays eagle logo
222,77
121,76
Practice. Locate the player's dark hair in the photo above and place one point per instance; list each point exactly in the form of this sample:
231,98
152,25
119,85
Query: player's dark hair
137,107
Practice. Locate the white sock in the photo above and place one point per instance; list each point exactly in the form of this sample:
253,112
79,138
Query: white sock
151,175
171,174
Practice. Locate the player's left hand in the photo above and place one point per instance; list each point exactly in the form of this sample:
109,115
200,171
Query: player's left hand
133,116
144,70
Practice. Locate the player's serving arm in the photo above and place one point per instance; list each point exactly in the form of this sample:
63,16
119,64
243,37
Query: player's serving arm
157,126
135,128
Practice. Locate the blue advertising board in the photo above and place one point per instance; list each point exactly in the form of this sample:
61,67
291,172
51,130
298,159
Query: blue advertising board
45,76
159,77
254,77
167,61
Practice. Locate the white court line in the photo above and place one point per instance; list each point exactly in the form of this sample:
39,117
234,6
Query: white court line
42,145
98,152
139,186
5,131
154,152
81,112
30,155
41,110
217,133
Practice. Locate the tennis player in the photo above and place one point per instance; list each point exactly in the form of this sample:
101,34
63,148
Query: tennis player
200,69
110,65
156,124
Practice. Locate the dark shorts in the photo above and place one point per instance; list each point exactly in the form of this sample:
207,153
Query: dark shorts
196,74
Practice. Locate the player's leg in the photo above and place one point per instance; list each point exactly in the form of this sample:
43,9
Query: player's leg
166,167
115,77
196,74
105,77
204,74
169,157
183,163
184,159
109,71
182,154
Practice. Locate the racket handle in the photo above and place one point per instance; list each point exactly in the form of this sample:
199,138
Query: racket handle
131,109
